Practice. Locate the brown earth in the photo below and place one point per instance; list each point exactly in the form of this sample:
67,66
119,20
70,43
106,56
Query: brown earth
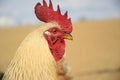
94,54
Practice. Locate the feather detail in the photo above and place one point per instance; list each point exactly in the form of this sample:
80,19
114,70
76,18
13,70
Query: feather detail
33,59
63,70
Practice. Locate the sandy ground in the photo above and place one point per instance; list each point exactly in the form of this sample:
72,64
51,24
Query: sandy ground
94,54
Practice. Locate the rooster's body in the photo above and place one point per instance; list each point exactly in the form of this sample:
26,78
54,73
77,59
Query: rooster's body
39,53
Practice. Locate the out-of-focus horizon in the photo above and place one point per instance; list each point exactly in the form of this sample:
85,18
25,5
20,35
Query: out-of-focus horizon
21,12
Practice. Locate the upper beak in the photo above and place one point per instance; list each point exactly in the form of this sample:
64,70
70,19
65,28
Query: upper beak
68,36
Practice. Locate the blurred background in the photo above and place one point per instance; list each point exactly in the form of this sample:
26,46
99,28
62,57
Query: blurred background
21,12
94,54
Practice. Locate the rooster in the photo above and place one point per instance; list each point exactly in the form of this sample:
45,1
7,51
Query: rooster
39,54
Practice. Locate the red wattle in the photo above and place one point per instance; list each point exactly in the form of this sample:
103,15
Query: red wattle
57,48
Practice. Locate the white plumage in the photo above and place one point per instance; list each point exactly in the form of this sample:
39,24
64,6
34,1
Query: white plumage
33,59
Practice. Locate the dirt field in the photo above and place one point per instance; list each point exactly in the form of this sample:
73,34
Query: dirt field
94,54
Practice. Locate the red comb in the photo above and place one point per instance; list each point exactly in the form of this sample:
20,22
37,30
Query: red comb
47,14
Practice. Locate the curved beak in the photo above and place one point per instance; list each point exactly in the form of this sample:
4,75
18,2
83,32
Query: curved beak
68,37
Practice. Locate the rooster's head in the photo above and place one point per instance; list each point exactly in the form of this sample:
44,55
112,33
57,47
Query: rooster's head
56,34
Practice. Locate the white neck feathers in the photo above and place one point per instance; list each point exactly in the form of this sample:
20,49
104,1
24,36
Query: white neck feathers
33,59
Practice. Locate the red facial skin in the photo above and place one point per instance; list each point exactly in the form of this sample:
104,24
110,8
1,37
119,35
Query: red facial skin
56,42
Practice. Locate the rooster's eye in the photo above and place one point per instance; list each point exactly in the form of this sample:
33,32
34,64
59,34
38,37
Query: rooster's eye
54,30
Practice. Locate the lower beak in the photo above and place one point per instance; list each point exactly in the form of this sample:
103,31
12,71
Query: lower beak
68,37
